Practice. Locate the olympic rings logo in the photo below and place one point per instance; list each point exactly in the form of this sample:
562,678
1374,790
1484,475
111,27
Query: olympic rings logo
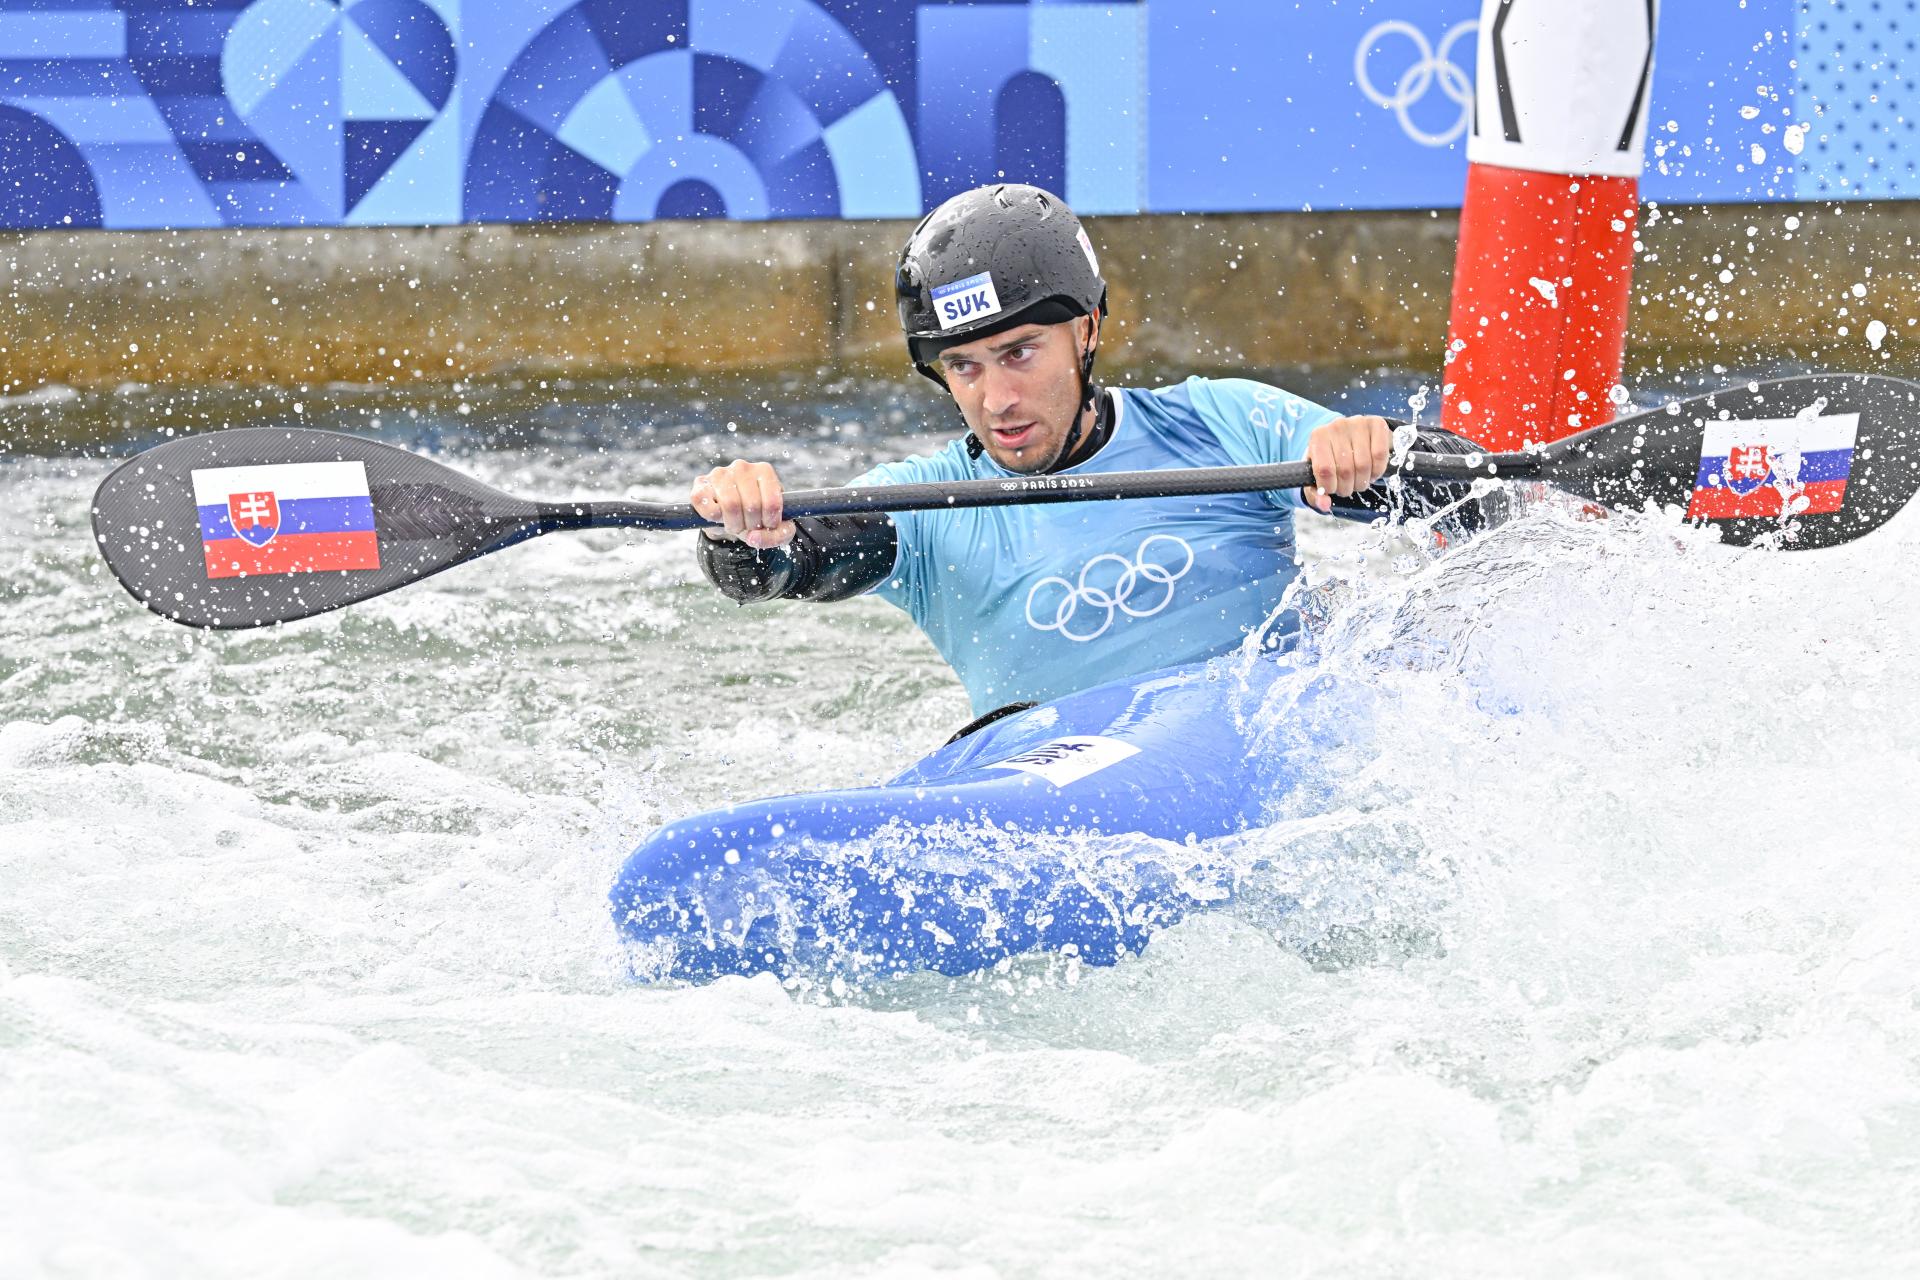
1121,597
1430,67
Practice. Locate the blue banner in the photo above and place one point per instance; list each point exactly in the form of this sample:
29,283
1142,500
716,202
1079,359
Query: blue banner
171,113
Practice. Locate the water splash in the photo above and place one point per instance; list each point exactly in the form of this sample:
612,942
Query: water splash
1597,953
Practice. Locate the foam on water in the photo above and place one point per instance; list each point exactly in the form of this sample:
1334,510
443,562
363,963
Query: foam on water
1599,957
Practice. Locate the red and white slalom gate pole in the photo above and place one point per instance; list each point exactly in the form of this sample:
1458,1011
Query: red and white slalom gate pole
1538,332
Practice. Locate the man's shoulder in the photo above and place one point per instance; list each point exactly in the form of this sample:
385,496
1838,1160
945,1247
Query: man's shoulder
954,462
1234,400
1205,393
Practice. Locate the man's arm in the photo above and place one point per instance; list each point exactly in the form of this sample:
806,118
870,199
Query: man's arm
1350,455
1425,496
757,554
1257,424
827,558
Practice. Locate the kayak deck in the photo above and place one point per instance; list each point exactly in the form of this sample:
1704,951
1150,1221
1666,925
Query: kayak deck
1076,827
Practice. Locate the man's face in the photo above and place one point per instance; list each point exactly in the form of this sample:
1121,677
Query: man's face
1020,390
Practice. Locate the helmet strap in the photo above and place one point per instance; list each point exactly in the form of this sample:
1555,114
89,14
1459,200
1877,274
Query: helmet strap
1087,393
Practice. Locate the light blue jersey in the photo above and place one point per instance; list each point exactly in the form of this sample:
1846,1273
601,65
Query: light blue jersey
1032,602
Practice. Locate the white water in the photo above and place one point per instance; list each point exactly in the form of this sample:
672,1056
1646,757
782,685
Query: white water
305,966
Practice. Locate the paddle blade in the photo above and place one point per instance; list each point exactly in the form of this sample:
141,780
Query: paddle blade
1814,461
258,525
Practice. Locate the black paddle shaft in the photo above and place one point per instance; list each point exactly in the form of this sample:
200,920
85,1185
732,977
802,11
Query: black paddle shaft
426,517
1009,491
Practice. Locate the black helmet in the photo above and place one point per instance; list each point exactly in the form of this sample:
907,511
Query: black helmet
990,259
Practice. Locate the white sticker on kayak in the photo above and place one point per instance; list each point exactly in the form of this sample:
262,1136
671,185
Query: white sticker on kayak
1065,760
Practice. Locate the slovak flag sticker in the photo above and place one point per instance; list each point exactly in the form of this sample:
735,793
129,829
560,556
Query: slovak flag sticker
1774,466
286,517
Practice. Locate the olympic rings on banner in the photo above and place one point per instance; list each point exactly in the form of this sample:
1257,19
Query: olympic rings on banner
1430,67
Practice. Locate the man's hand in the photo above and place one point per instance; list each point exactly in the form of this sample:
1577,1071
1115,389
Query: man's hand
745,498
1347,454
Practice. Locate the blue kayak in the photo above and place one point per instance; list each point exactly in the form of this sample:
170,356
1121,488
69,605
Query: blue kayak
1080,827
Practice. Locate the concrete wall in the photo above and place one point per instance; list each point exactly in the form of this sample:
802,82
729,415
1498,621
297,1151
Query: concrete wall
407,306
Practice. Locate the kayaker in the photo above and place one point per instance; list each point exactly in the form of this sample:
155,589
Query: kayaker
1001,300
